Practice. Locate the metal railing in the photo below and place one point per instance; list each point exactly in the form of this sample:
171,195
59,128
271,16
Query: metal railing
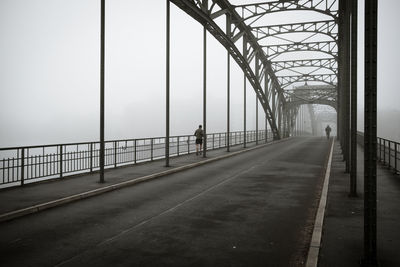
19,165
388,152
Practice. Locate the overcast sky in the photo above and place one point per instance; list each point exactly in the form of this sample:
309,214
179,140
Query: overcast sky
49,71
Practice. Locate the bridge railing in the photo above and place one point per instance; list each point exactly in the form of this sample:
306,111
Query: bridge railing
19,165
388,152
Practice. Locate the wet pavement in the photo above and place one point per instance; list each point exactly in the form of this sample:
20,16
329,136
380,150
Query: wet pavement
254,209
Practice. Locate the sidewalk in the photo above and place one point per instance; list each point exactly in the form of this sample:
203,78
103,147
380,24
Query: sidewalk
342,239
37,196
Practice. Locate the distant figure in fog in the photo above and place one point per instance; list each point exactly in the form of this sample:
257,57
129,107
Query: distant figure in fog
199,139
328,131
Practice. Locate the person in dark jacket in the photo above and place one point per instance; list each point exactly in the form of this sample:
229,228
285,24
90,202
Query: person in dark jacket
328,131
199,139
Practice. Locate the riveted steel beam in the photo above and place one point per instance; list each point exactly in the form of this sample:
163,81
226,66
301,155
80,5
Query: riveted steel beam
254,12
329,79
323,63
326,27
327,47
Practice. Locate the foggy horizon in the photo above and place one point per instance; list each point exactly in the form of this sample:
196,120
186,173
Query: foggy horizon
49,83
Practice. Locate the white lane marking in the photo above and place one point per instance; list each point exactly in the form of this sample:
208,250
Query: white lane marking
315,245
108,240
178,205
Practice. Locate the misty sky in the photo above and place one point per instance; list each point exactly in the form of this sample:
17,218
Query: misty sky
49,71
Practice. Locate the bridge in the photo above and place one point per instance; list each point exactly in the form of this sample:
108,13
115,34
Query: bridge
281,194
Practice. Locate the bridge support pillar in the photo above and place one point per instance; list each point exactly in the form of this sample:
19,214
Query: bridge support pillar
228,83
353,142
257,67
370,127
167,84
244,93
205,88
102,77
347,87
266,91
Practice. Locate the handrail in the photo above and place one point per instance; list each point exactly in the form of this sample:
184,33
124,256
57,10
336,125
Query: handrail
41,162
388,152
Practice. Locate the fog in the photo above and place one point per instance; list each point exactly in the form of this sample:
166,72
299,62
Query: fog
49,72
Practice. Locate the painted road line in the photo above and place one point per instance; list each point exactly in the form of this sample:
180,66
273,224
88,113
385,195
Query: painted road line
315,245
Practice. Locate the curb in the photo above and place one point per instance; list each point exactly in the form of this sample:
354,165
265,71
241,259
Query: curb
315,245
58,202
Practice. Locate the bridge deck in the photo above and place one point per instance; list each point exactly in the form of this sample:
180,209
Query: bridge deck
254,209
38,193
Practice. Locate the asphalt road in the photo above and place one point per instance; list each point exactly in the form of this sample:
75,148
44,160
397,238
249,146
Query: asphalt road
254,209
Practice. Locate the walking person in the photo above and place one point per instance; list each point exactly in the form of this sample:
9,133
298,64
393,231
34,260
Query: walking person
199,139
328,131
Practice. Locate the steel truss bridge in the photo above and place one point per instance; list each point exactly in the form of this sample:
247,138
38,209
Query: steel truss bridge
268,53
247,40
288,65
308,65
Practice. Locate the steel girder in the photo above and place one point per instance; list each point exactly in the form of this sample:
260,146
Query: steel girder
326,27
321,63
328,47
257,10
312,94
287,80
299,102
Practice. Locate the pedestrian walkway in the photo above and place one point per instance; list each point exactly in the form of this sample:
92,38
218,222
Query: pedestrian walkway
50,193
342,239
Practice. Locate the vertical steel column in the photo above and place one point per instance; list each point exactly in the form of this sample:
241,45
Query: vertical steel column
91,157
296,122
303,126
384,151
283,123
340,76
301,120
135,154
274,109
115,154
292,121
244,92
256,120
102,59
177,149
205,88
22,166
228,80
395,157
370,125
61,170
353,143
167,84
346,84
280,117
287,119
257,77
266,91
